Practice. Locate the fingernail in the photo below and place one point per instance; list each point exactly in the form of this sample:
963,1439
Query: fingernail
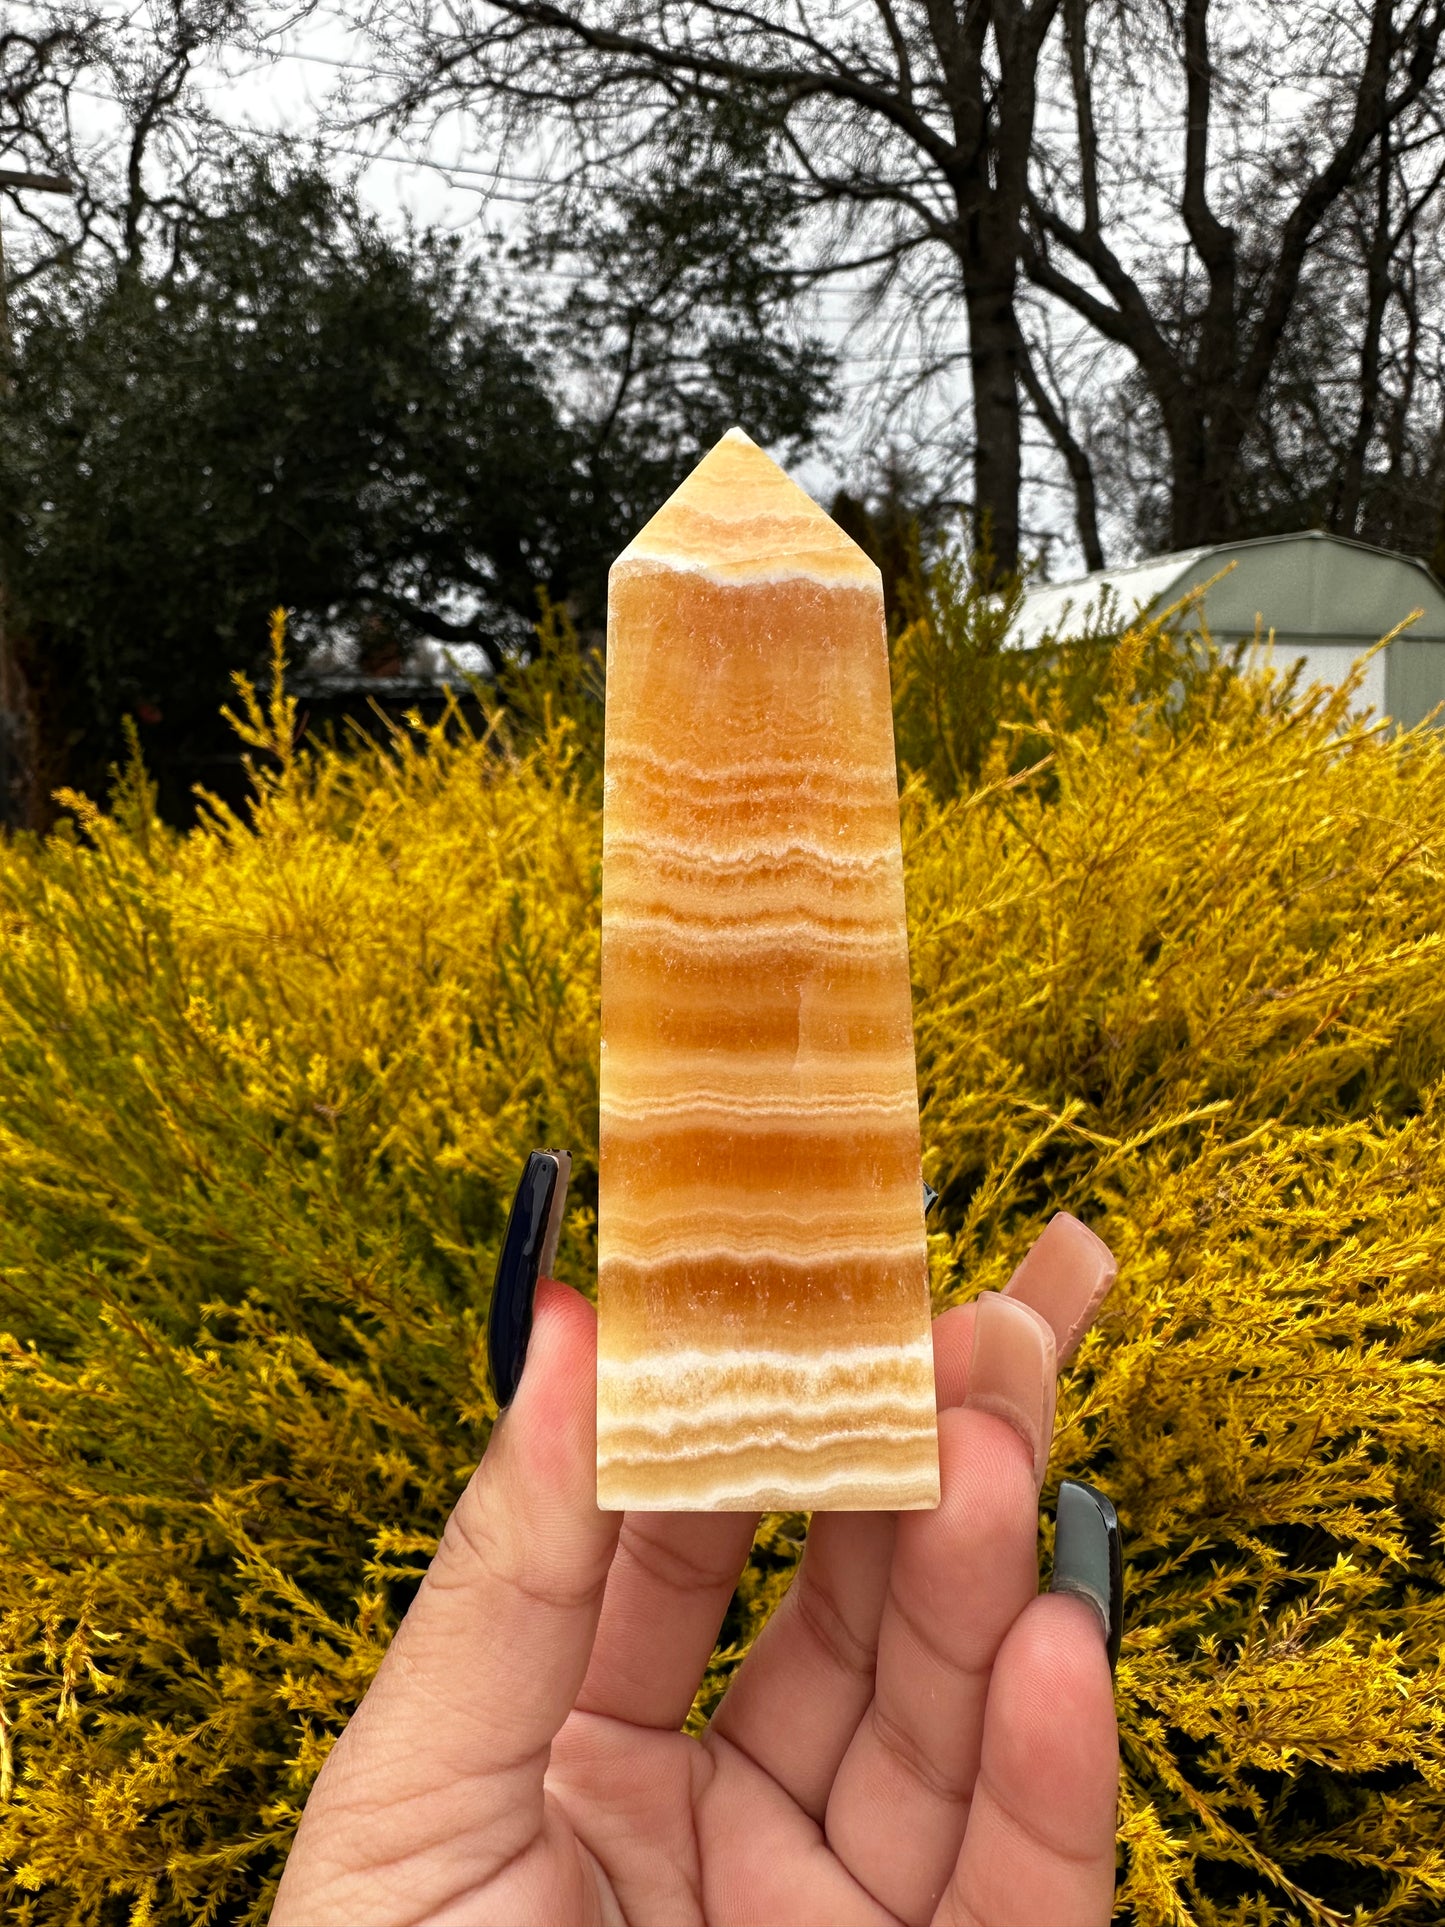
1011,1371
1088,1559
930,1197
529,1250
1065,1275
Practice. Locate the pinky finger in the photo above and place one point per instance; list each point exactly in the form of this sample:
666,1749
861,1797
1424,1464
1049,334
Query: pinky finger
1039,1845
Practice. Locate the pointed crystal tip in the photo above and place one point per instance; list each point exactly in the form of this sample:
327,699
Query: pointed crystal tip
738,518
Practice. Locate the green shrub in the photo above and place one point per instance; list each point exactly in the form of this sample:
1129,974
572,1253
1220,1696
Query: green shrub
264,1093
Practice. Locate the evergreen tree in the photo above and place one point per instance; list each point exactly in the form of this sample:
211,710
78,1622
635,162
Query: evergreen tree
296,410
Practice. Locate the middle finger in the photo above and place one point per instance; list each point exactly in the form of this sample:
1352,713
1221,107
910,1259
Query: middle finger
961,1576
796,1702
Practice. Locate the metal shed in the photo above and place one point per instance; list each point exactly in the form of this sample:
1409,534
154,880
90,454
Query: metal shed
1327,599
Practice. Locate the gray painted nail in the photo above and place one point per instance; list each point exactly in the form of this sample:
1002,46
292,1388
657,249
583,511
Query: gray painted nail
1088,1558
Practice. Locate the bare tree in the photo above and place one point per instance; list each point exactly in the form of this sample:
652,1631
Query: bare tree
1350,432
1180,183
40,65
1165,172
110,104
1385,436
905,126
1211,318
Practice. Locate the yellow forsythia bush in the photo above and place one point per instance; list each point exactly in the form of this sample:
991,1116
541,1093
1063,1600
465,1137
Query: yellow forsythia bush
264,1093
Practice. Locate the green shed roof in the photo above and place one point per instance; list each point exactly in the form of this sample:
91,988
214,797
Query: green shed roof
1311,587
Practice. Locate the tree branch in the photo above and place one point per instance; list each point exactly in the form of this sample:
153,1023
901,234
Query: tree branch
1081,469
1374,110
1213,241
652,58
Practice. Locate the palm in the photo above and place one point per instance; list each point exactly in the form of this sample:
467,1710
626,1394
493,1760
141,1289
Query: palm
915,1737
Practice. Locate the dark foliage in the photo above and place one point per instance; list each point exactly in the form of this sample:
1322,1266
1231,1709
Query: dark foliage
298,411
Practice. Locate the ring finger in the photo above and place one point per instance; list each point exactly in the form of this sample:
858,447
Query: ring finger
961,1576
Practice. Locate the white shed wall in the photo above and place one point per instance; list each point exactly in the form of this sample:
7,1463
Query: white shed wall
1329,663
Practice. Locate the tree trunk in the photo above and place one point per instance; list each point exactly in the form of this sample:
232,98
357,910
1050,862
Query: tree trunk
1195,518
1205,435
997,453
17,709
1345,510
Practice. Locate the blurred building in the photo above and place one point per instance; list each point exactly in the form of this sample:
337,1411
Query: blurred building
1326,598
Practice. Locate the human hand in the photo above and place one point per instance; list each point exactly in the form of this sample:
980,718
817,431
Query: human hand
916,1736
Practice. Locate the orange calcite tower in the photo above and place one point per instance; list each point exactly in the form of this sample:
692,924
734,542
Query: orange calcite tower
764,1338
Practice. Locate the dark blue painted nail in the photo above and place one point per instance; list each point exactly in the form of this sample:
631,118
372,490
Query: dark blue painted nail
529,1250
930,1197
1088,1558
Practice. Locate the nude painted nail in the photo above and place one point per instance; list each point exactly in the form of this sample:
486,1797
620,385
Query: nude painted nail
1066,1274
1011,1371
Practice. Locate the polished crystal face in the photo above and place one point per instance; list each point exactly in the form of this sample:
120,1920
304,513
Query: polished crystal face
764,1337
